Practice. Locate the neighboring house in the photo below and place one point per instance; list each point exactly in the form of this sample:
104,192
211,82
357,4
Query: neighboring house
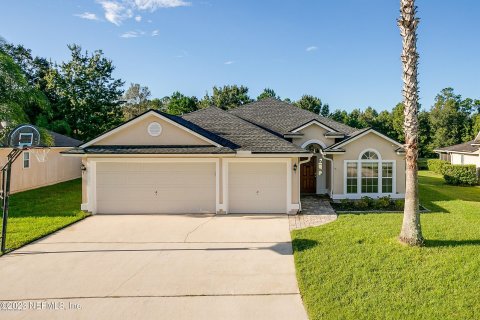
257,158
28,173
464,153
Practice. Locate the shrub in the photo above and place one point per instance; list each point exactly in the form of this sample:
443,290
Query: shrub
422,164
399,204
369,201
361,204
346,204
459,174
383,202
436,165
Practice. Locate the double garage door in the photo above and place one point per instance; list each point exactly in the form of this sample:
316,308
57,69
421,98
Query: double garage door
189,187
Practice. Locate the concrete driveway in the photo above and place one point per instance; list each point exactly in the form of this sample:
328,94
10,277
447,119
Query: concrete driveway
156,267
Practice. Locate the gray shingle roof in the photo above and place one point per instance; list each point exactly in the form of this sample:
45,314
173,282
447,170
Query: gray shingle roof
60,140
150,150
470,146
282,117
198,129
244,135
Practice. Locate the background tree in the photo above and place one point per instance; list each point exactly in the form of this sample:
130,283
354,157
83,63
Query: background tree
450,119
179,104
136,101
267,93
34,70
13,93
227,97
411,232
88,93
310,103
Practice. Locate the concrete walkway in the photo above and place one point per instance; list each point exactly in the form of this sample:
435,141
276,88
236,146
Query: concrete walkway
316,211
157,267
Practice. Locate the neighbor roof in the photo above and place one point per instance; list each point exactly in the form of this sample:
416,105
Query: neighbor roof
245,135
469,147
282,117
60,140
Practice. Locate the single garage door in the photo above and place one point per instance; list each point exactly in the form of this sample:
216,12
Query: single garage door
155,187
257,187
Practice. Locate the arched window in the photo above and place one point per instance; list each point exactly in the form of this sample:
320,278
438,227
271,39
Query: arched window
369,175
314,148
369,155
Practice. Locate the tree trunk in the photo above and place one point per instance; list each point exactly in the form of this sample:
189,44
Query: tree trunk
411,233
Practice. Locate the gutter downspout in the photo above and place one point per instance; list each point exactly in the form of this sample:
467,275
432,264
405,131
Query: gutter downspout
299,168
331,171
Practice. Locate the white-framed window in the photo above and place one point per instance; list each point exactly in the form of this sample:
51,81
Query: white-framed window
26,160
369,175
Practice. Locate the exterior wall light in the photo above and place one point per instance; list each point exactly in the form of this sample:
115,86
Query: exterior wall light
295,167
83,167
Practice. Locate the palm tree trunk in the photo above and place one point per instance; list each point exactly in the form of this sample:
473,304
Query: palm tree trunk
411,233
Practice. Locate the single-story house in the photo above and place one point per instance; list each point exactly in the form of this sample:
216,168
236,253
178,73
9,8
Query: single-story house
463,153
257,158
29,173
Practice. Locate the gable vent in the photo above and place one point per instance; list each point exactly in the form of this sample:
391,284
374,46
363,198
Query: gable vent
154,129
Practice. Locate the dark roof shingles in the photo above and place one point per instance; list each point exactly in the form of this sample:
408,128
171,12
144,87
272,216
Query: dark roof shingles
166,149
463,147
245,135
283,117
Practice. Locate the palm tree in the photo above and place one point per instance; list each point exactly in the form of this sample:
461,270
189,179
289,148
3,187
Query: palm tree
411,233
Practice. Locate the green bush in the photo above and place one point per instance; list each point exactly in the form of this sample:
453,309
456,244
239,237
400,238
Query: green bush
383,202
422,164
436,165
459,174
370,202
399,204
346,204
361,204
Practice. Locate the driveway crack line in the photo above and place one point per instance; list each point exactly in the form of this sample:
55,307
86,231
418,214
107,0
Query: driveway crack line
196,228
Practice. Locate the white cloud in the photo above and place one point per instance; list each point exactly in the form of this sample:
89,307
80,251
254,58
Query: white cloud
87,15
155,33
156,4
229,62
311,48
130,34
117,11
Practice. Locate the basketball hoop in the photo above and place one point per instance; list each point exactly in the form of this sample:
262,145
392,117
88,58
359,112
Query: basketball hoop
41,153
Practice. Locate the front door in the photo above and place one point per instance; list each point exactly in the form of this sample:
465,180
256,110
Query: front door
308,178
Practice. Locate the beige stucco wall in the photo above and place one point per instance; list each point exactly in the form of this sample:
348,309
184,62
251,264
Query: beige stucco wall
353,150
136,134
295,182
84,183
456,158
313,132
54,170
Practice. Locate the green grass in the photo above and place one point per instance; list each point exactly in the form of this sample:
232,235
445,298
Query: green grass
354,268
36,213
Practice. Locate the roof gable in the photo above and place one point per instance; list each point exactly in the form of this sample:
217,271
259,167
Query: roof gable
174,129
358,135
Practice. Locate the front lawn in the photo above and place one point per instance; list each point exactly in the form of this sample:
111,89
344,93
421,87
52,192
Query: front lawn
354,268
36,213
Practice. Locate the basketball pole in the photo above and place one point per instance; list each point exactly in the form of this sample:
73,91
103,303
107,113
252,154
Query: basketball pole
6,178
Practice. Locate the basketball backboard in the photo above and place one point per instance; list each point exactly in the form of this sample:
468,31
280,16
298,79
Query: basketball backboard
24,136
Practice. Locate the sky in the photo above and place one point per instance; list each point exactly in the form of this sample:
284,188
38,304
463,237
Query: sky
347,52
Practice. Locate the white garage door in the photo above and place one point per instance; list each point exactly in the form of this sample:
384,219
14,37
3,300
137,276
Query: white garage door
257,187
156,187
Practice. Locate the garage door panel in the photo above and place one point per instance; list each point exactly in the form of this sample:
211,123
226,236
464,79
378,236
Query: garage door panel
156,187
257,187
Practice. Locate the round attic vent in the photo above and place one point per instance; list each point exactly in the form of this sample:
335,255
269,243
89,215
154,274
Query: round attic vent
154,129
